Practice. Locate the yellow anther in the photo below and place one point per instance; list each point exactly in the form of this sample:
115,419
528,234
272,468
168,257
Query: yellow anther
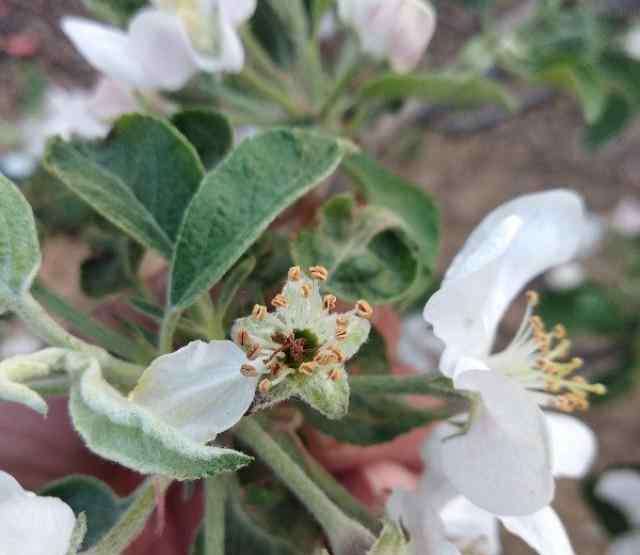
329,302
337,353
307,368
264,386
363,309
533,299
295,273
253,352
279,301
559,331
306,290
319,272
335,374
598,389
259,312
341,334
248,371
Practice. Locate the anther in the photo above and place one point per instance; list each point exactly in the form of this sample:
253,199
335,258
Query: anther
259,312
275,369
319,273
243,337
559,331
341,334
329,302
335,374
307,368
533,299
248,371
295,273
253,352
363,309
279,301
264,386
306,290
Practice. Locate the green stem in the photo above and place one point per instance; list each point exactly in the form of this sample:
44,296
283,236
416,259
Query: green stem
167,330
403,385
343,83
254,80
346,536
46,328
258,55
216,491
133,520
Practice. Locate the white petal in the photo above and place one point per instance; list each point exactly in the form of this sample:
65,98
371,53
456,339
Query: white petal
198,389
628,544
621,488
420,519
106,48
418,346
626,215
111,99
32,525
414,24
573,445
513,244
543,531
632,43
237,11
503,463
468,525
566,276
163,48
231,55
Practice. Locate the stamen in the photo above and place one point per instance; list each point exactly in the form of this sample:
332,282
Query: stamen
307,368
248,371
295,273
341,334
264,386
306,290
243,337
279,301
335,374
319,272
329,302
253,352
259,312
364,310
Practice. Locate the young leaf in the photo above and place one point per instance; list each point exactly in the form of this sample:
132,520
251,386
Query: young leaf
208,131
19,249
454,89
119,430
93,498
413,207
366,251
240,198
141,177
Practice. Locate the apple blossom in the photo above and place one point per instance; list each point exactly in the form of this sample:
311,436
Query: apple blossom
167,44
502,462
441,520
398,30
33,525
302,347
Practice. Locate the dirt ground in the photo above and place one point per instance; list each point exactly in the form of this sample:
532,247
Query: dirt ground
468,175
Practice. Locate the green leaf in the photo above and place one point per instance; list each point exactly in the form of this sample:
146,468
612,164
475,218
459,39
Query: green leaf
615,117
116,11
454,89
141,177
119,430
94,498
19,249
240,198
372,357
373,420
232,284
208,131
366,251
414,208
271,33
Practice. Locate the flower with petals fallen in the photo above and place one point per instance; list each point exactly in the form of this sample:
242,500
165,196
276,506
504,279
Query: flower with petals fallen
441,521
620,487
167,44
502,461
32,525
397,30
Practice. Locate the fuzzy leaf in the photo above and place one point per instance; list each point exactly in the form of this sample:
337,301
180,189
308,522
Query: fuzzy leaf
19,249
141,177
413,207
240,198
119,430
208,131
366,251
78,535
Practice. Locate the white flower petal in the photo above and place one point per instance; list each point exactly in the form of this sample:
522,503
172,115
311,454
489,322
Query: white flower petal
621,488
237,11
414,23
503,462
420,519
513,244
573,446
160,43
32,525
566,276
110,99
628,544
198,389
418,346
625,218
467,525
543,531
106,48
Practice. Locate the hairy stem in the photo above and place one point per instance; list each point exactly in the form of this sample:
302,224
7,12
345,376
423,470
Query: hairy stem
216,491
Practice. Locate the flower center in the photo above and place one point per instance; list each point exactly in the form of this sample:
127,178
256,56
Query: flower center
298,347
539,359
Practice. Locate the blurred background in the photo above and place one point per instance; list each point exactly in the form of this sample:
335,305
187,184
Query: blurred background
471,161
